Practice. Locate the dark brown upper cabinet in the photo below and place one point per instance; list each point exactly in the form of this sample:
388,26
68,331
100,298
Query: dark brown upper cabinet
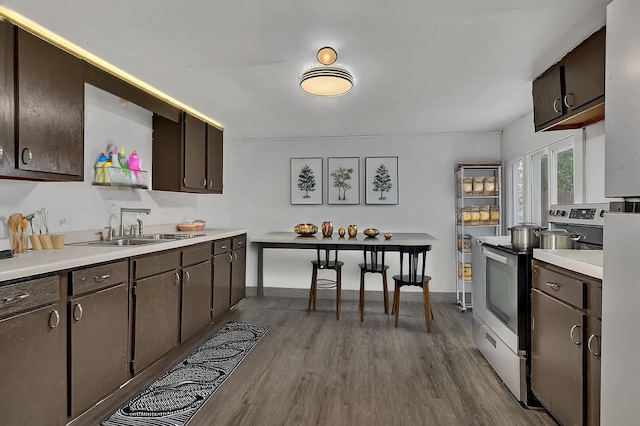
7,100
187,156
49,109
570,94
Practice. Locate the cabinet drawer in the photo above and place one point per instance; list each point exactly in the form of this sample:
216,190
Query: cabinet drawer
156,263
568,289
99,277
221,246
28,294
239,242
198,254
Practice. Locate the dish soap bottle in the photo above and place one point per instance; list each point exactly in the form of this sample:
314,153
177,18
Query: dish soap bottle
102,160
122,158
134,164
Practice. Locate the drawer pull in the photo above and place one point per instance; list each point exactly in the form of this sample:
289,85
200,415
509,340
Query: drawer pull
54,319
597,352
490,339
223,247
187,276
177,278
101,278
575,342
77,312
8,300
554,286
240,243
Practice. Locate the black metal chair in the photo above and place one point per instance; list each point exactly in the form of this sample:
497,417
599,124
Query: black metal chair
328,260
412,273
373,263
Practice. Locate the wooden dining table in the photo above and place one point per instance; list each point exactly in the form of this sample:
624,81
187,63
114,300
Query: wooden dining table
291,240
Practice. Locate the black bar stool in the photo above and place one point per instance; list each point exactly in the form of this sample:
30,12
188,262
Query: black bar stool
373,263
412,273
328,260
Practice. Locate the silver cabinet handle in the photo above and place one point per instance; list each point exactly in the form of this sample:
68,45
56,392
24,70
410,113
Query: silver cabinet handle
566,100
575,342
554,286
554,105
29,156
187,276
77,312
235,256
204,183
230,258
101,278
1,153
54,319
7,300
597,352
177,278
210,183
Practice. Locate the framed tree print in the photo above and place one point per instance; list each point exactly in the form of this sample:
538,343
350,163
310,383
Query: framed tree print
343,180
306,180
381,180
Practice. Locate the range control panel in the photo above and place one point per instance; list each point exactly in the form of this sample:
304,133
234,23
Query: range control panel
585,214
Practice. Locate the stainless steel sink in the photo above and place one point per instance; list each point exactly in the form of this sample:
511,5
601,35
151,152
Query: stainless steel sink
138,240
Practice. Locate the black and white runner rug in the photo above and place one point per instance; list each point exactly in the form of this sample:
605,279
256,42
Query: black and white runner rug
177,395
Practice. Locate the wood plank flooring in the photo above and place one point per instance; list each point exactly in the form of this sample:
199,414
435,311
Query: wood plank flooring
314,370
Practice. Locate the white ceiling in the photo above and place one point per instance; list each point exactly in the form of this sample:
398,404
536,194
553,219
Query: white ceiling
420,66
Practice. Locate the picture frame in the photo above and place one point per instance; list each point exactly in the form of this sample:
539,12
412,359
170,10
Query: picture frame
381,180
306,180
343,180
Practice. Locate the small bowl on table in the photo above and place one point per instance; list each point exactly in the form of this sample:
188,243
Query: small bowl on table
305,229
371,232
196,225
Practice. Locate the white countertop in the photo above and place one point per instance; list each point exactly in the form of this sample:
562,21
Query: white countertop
36,262
586,262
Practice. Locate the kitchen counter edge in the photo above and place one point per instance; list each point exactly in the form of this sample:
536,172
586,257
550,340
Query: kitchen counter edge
37,262
586,262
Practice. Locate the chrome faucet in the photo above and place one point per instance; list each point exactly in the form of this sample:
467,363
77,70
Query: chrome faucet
129,210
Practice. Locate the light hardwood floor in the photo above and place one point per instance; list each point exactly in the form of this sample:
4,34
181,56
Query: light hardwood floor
314,370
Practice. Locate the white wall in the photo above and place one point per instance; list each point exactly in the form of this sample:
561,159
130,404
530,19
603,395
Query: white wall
75,206
256,187
520,138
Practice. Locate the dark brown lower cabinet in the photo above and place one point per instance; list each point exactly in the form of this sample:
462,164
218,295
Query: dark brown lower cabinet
32,358
238,275
196,298
221,281
99,334
156,317
557,357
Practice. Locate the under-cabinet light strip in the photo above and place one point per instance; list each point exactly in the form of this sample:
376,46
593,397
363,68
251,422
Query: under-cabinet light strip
49,36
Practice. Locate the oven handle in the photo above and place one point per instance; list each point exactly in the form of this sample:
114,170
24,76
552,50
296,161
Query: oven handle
495,256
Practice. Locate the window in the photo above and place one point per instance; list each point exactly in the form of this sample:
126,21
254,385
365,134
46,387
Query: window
549,175
515,196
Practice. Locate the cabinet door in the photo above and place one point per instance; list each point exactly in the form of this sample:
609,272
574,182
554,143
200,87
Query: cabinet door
99,334
156,307
594,345
214,159
50,114
221,283
547,96
33,368
238,274
556,359
7,135
196,299
195,148
584,72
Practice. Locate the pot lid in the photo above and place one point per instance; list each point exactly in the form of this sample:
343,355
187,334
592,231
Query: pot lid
526,225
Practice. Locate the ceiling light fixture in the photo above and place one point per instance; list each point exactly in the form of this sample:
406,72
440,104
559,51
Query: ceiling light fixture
325,80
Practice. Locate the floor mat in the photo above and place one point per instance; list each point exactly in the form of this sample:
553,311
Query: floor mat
177,395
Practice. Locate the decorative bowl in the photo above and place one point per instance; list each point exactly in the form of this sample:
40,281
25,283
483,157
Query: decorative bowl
196,225
305,229
387,235
371,232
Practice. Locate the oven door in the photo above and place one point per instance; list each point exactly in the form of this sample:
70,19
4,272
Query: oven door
502,295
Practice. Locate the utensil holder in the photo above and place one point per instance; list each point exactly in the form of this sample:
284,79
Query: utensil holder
57,241
35,242
45,241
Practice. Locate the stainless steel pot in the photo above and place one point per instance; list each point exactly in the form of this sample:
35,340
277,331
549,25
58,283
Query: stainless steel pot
525,236
557,239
